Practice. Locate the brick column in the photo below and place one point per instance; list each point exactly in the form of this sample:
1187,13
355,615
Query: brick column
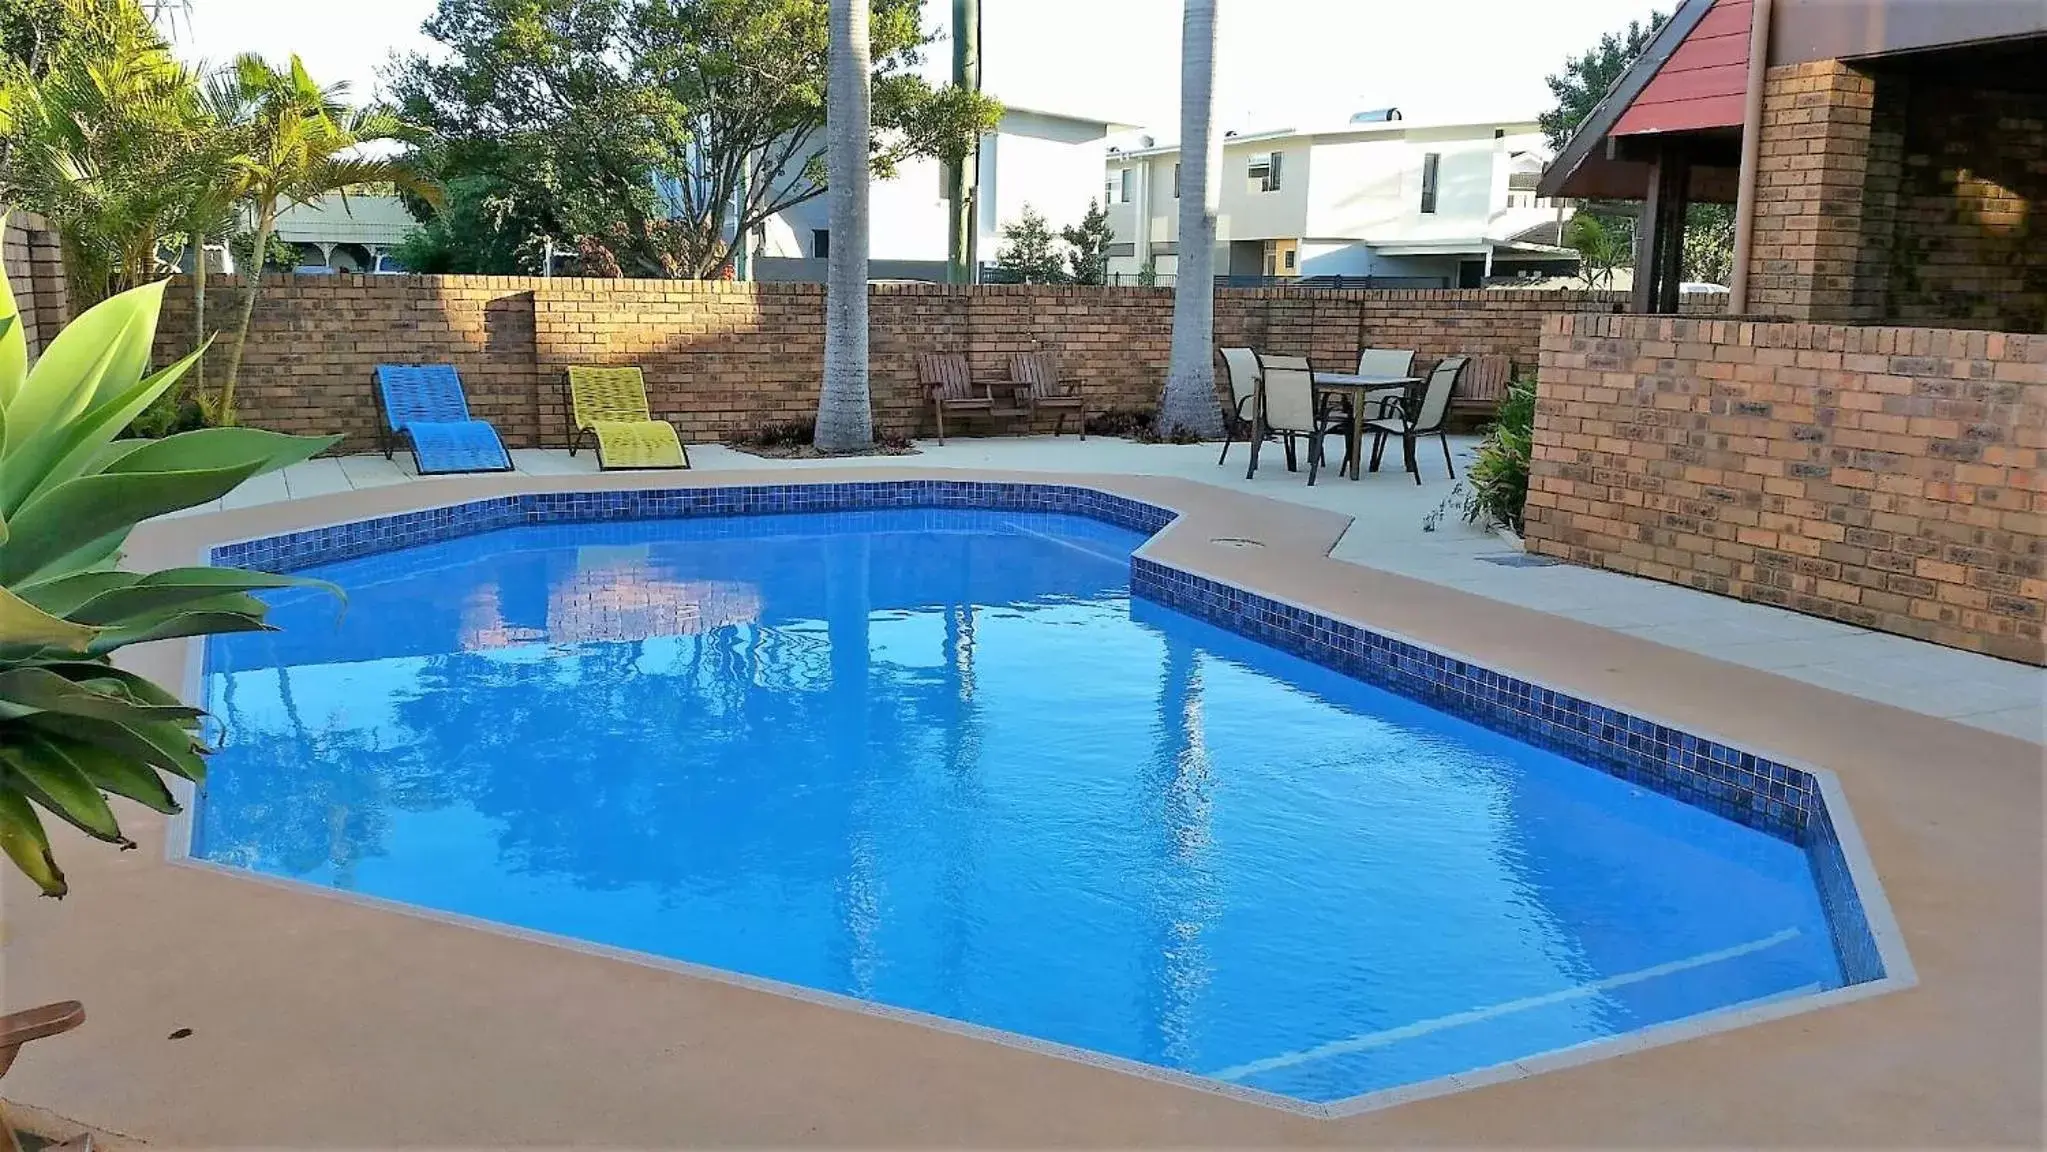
1812,167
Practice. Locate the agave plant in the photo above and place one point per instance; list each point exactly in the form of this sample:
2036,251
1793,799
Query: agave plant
73,727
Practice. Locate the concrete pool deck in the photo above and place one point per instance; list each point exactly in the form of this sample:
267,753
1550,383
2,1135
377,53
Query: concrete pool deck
318,1021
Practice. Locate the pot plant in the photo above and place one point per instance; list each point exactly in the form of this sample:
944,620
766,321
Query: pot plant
74,728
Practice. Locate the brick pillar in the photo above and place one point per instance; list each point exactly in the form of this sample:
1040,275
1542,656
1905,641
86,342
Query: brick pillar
1812,167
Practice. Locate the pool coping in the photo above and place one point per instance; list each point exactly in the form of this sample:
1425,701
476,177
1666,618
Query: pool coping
446,521
1957,822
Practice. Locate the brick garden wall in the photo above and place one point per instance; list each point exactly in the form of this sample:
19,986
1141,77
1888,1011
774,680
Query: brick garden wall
723,358
1891,478
35,271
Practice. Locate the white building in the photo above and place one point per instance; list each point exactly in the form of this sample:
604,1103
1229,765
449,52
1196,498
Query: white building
1442,205
1050,161
352,234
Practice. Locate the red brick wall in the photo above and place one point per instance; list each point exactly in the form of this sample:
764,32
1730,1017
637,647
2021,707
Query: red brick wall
1892,478
724,358
1811,166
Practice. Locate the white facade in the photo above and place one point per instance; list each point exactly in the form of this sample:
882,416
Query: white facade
1048,161
1386,199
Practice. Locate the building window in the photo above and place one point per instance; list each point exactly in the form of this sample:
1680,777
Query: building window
1176,181
1265,171
1289,259
1431,161
821,243
1124,193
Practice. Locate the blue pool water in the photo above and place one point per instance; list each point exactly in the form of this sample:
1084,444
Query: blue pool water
941,760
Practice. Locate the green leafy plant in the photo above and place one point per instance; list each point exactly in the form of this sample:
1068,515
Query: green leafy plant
74,728
1088,243
1499,474
1030,252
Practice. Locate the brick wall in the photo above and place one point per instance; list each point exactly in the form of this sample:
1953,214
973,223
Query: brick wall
1891,478
35,272
724,358
1969,191
1888,198
1812,157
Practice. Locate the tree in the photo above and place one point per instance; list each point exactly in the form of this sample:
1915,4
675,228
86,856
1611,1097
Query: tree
1603,245
1089,243
105,137
845,415
299,143
1586,79
1029,252
1189,403
664,130
1709,243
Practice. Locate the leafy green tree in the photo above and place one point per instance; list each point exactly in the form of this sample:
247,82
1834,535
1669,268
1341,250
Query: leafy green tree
1585,79
1088,243
1030,252
661,130
298,142
1604,244
1709,243
105,136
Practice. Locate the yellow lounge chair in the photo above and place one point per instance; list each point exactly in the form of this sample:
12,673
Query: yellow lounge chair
610,404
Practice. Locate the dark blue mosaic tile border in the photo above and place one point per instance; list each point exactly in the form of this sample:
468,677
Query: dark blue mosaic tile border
1760,793
294,550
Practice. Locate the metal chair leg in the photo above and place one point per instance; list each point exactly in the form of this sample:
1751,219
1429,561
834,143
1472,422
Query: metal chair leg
1229,437
1451,468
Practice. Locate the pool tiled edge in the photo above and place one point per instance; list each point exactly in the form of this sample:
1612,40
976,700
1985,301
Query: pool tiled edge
1799,804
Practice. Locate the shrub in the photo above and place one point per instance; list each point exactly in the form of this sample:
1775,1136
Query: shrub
1499,476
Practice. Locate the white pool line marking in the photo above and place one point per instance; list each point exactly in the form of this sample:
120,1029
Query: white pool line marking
1380,1039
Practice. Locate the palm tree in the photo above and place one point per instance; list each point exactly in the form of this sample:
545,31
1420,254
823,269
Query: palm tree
101,142
1189,402
845,417
299,143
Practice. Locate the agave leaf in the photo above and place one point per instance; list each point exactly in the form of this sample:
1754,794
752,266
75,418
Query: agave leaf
62,594
13,345
106,348
38,687
82,512
221,448
180,624
13,351
42,771
144,603
93,555
160,745
140,687
21,622
115,773
23,839
76,447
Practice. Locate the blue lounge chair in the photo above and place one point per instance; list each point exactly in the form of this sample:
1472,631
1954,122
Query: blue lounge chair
423,403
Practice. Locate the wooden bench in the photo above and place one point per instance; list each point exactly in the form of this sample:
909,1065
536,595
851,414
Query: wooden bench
1479,393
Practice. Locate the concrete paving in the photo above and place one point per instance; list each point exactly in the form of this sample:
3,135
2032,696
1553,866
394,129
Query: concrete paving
1390,530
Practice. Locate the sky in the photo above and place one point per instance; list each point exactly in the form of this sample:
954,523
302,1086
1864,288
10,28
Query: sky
1280,63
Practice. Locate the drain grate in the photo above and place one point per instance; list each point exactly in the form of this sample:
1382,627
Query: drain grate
1521,560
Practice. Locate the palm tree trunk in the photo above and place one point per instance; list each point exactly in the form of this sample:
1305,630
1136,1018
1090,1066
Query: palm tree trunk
1189,401
224,413
845,416
198,385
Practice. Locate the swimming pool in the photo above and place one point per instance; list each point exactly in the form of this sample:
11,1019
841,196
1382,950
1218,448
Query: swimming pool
941,760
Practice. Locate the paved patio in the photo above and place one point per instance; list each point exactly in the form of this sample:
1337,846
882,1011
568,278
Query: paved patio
1386,532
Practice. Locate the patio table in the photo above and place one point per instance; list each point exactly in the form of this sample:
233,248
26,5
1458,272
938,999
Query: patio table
1360,391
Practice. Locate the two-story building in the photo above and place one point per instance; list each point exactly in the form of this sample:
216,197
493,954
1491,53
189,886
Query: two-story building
1048,161
1406,203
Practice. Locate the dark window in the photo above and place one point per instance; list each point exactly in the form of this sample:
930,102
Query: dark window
1176,181
1289,259
1265,171
1430,162
1123,186
821,243
1499,133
